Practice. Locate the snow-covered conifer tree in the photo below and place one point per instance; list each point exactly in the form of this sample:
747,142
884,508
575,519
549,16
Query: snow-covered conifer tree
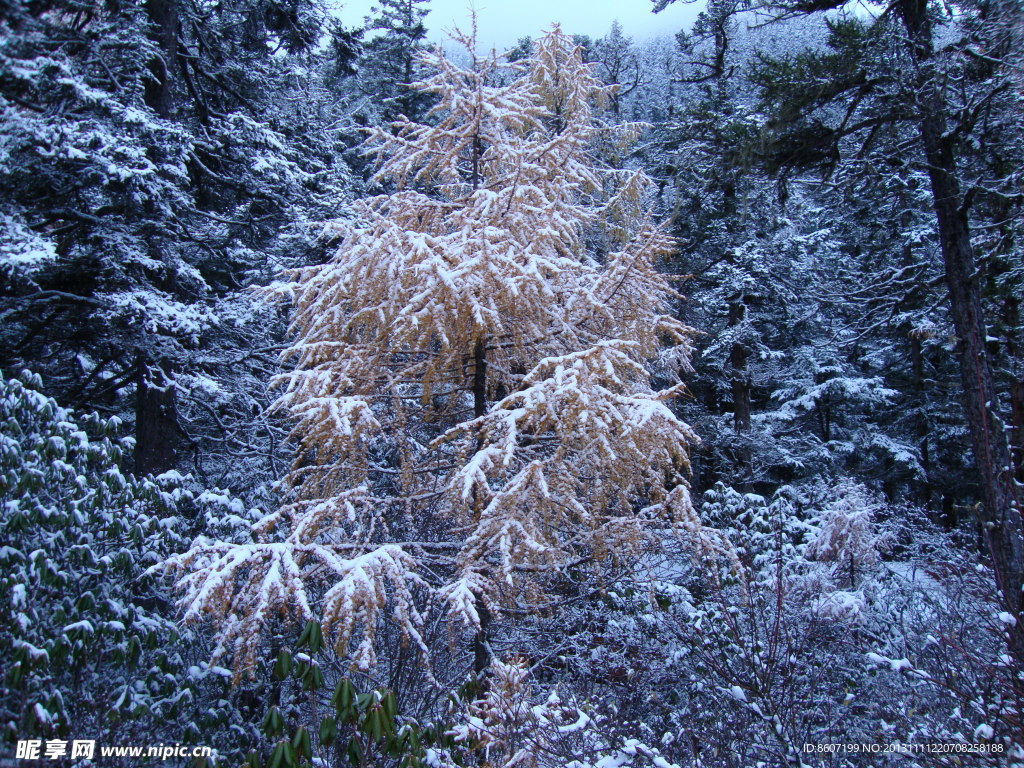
471,395
847,535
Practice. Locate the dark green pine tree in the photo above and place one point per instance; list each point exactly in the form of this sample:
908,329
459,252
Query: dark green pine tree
833,108
396,35
158,158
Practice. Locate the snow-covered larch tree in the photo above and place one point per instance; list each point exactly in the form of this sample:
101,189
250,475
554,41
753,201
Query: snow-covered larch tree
471,394
847,534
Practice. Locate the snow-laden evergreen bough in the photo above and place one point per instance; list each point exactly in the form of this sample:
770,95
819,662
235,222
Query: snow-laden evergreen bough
471,395
87,652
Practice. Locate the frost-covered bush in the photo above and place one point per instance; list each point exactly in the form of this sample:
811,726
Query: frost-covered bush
512,723
90,648
781,650
759,673
936,636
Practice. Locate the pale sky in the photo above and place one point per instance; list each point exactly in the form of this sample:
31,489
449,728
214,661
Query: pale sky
502,22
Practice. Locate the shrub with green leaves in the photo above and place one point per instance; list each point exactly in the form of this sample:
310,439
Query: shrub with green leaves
89,648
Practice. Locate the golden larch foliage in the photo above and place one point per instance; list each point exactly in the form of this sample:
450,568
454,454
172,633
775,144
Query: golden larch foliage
470,389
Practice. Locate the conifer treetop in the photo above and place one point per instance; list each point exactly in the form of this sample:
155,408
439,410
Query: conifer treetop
471,389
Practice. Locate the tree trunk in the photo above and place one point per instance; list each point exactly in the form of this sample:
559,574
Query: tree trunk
156,418
740,379
1000,514
1017,427
163,14
917,368
479,380
740,382
1012,314
481,643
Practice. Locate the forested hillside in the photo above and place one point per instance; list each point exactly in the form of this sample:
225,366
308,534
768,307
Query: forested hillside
598,403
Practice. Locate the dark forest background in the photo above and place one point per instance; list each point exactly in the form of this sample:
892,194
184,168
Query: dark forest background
845,184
